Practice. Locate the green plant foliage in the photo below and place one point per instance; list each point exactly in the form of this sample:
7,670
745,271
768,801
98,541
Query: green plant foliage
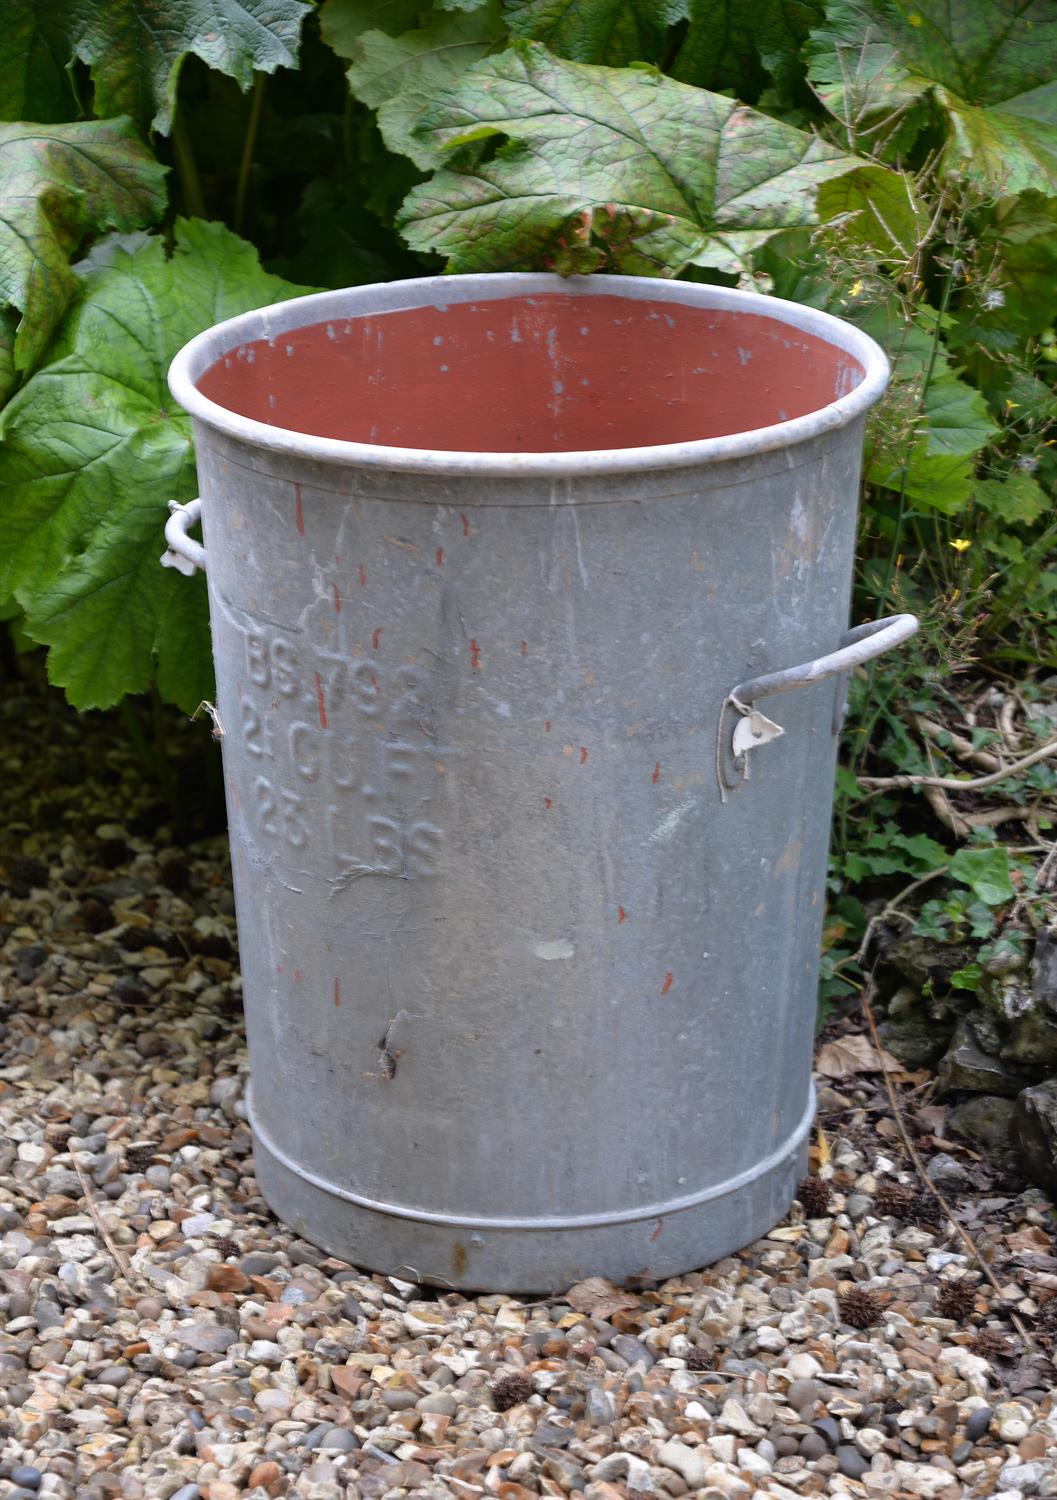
94,448
727,40
986,873
596,31
600,168
986,66
401,76
59,183
134,50
343,22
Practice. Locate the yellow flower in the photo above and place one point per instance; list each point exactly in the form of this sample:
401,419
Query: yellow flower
961,543
856,288
914,18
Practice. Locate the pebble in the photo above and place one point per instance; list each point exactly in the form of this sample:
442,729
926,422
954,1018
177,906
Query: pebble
632,1350
979,1423
685,1461
851,1462
239,1360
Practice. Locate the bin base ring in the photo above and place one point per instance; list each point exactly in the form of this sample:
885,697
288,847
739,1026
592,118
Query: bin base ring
649,1242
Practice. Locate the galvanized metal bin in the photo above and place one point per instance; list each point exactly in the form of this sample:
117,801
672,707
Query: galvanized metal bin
529,889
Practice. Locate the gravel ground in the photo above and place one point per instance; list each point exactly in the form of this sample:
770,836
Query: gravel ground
163,1336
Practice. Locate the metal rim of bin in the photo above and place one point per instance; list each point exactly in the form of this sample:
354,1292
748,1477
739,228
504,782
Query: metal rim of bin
281,317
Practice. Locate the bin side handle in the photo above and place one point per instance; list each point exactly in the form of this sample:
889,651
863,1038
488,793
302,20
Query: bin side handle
184,554
753,729
859,645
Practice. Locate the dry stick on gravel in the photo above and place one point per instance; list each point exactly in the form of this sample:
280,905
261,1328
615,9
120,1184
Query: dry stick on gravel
124,1269
975,784
911,1150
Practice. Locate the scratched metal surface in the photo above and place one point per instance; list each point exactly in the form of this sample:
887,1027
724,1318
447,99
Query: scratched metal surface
526,1000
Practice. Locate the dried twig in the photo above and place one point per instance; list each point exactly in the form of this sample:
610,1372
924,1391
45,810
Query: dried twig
1006,716
911,1151
892,909
974,784
123,1267
956,743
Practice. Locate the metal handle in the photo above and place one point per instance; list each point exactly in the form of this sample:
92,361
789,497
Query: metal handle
859,645
753,729
184,554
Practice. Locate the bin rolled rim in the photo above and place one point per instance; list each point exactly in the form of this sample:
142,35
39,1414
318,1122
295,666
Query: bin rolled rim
196,357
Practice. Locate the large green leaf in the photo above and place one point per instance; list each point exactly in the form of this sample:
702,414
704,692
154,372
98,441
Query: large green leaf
8,373
134,49
59,183
1023,234
600,167
401,76
595,31
95,448
725,37
988,66
343,22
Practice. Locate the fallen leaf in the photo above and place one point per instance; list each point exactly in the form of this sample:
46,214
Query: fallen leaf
1029,1239
599,1298
823,1148
931,1118
849,1055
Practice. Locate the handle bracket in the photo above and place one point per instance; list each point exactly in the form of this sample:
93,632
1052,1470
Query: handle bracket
752,729
184,554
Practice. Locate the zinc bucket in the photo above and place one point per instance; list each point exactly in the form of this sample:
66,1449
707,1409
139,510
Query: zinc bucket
506,576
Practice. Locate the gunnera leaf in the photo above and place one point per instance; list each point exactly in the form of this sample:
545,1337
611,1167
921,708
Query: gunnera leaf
134,49
94,448
58,184
987,67
575,168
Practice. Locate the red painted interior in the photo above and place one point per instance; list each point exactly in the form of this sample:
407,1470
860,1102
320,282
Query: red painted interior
539,374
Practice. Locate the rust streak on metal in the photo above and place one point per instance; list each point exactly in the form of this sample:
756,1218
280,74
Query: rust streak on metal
656,773
475,656
669,979
337,599
362,574
583,755
337,993
321,702
299,514
376,637
622,915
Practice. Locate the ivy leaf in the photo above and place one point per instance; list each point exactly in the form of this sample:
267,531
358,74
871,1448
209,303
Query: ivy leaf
343,22
59,183
595,31
603,167
95,448
401,76
986,873
134,50
987,67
